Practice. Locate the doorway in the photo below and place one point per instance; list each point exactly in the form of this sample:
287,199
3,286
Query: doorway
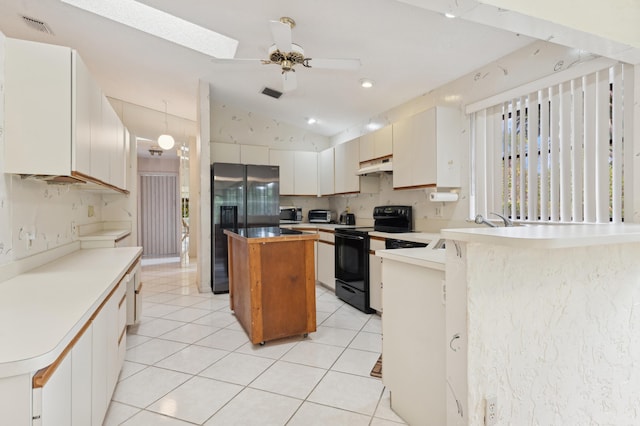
160,216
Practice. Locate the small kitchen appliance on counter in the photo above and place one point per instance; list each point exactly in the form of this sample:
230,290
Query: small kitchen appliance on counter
352,253
347,218
321,216
290,213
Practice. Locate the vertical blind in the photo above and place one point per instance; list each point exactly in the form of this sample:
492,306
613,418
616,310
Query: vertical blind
160,215
556,154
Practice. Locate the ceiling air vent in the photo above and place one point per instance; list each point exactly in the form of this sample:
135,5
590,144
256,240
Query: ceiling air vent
271,92
37,25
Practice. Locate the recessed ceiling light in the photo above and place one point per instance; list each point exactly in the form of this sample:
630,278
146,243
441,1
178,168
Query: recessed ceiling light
161,24
374,126
366,83
449,15
311,120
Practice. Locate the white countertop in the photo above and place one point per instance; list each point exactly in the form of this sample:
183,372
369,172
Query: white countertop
325,226
43,309
416,237
548,236
105,234
425,257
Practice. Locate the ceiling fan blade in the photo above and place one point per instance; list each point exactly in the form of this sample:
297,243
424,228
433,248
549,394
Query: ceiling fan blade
334,64
281,35
289,81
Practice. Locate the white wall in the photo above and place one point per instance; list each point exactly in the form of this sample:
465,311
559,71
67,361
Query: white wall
233,125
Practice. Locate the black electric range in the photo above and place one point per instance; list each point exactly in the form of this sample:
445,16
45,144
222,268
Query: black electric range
352,253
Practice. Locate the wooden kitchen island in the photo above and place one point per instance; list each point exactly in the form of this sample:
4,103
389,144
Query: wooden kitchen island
272,282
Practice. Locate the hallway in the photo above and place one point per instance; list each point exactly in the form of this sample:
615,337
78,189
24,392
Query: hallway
189,362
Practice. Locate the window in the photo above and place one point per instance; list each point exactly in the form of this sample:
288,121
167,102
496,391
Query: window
555,154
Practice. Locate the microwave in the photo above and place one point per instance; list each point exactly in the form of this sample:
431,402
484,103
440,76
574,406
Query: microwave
321,216
291,214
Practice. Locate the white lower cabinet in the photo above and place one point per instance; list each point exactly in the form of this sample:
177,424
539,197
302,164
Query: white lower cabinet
413,345
15,400
81,371
375,273
76,389
99,368
55,396
326,259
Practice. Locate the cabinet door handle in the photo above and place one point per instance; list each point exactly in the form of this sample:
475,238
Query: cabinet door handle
455,337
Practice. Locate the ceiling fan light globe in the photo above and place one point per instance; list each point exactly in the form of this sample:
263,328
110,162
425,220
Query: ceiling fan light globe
166,142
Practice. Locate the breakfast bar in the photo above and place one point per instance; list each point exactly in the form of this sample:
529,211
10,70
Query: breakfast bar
542,324
272,282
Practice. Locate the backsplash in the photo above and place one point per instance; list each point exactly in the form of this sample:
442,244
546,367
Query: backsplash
427,215
47,216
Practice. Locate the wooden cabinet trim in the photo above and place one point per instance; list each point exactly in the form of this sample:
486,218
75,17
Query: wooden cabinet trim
124,297
375,237
93,180
430,185
122,238
43,375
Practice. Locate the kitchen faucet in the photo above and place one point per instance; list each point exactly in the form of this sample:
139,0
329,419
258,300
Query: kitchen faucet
481,220
506,220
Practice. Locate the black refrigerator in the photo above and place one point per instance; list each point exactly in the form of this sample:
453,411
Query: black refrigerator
242,196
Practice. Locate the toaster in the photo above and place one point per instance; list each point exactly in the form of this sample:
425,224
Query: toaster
321,216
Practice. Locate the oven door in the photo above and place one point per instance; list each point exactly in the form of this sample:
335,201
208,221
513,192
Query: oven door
351,259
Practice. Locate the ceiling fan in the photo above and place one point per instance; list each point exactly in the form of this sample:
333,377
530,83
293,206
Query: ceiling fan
287,55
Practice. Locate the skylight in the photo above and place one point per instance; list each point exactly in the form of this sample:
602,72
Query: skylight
161,24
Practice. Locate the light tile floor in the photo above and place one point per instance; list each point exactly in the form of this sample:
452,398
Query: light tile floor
190,362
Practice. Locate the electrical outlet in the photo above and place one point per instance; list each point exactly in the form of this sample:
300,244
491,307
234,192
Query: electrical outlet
91,212
491,411
438,211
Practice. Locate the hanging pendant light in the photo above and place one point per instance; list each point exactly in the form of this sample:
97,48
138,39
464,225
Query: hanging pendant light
166,140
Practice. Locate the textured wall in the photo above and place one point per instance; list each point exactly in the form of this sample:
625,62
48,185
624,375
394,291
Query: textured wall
233,125
554,334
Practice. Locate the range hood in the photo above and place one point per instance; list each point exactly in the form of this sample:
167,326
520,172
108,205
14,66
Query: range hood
384,166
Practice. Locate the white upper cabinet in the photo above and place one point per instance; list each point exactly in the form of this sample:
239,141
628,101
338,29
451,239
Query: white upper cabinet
225,153
285,160
305,181
298,171
378,144
55,119
254,154
347,163
326,172
37,108
426,149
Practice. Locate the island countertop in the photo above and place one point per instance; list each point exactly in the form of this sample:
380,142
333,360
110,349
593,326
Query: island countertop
548,236
269,234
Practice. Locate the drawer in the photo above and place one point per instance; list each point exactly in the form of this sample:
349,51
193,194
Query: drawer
327,236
